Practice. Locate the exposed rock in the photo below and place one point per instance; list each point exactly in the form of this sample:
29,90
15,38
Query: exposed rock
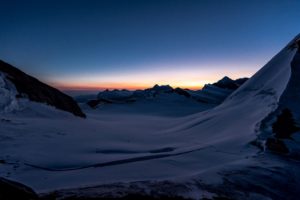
285,126
11,190
277,145
35,90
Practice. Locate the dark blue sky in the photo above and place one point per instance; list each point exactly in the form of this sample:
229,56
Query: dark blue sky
137,43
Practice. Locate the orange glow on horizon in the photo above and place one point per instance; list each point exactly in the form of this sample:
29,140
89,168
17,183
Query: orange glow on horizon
184,78
120,86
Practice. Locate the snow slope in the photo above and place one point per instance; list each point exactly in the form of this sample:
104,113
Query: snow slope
204,155
8,101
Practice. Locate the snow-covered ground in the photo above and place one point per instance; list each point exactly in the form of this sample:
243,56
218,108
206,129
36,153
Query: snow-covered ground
171,105
199,154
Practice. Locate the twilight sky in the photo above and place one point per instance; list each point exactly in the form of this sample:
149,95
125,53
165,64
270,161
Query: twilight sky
94,44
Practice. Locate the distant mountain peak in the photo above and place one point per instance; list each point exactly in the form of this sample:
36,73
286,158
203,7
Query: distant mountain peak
226,78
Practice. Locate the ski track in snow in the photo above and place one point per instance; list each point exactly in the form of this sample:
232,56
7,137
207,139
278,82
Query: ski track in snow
117,162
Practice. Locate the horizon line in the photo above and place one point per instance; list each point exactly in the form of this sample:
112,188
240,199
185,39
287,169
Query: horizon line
100,88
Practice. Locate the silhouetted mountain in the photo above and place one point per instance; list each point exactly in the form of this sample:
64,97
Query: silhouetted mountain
228,83
211,93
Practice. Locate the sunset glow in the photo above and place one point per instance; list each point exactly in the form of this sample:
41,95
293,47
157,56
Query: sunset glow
190,79
135,45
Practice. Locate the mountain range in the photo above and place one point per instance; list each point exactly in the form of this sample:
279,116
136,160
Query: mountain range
211,93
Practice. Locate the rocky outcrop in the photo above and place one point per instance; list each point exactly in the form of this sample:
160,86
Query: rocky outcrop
35,90
285,125
11,190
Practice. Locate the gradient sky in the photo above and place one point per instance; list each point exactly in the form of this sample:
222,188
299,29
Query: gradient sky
93,44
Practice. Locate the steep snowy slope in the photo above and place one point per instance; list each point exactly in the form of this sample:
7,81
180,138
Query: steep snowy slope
280,130
14,84
242,111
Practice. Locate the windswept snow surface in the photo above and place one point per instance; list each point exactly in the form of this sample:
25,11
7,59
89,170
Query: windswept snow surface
202,155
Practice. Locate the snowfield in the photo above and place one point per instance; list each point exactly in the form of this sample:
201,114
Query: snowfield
201,151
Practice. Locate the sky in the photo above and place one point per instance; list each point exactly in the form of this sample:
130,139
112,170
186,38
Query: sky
134,44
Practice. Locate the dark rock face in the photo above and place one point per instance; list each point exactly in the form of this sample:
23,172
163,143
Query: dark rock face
10,190
285,125
38,91
277,145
